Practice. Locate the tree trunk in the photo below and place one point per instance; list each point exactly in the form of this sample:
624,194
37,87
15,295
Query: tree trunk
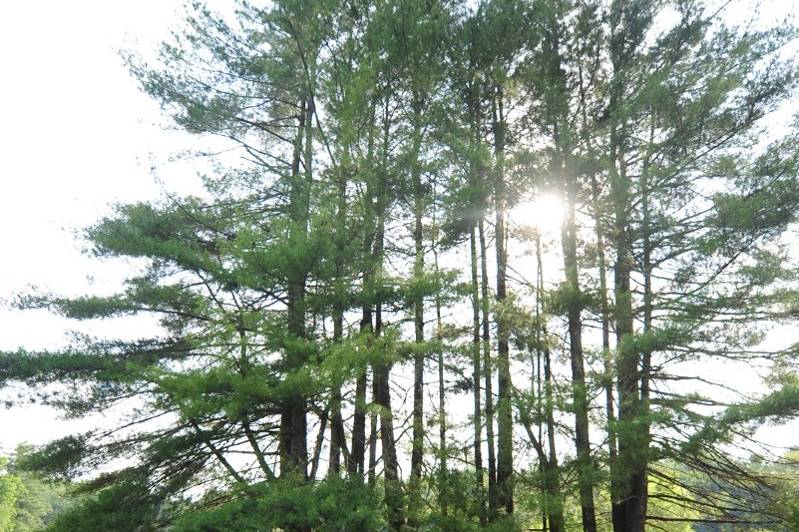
488,371
607,357
393,487
552,473
476,377
417,448
356,464
373,427
293,422
443,491
628,507
563,169
553,499
605,319
337,441
477,202
646,355
373,435
504,410
585,468
630,473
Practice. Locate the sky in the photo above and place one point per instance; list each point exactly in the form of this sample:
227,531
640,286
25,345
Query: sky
77,136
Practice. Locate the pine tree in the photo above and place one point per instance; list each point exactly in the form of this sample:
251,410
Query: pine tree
373,157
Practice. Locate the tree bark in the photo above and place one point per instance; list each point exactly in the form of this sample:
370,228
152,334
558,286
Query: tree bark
488,372
337,436
579,392
646,355
504,410
552,473
293,423
417,448
443,491
563,169
550,469
393,488
630,475
476,376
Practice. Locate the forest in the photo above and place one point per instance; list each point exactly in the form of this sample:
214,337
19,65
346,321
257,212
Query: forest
495,265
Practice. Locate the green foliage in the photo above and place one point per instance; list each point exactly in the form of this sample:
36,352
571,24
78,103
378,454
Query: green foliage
124,506
367,137
10,489
27,503
59,459
34,505
330,505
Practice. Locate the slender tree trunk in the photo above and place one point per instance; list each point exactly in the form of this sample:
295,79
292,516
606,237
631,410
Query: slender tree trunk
631,464
393,487
488,371
537,384
417,449
575,326
552,475
605,319
337,442
563,169
478,202
373,436
337,437
374,431
356,464
646,355
293,423
376,261
324,417
629,506
443,489
504,410
607,357
553,499
476,377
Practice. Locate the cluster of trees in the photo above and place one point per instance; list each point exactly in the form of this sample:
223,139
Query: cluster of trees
26,502
357,332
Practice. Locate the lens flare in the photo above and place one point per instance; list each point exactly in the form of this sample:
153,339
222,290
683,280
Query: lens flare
545,213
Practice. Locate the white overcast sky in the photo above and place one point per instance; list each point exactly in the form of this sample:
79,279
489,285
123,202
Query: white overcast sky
76,136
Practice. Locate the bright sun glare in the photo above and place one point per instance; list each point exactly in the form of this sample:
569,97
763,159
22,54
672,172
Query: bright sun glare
544,213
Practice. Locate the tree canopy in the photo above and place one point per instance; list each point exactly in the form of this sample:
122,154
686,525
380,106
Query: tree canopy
359,326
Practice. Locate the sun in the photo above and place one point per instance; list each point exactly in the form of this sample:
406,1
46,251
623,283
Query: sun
545,213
